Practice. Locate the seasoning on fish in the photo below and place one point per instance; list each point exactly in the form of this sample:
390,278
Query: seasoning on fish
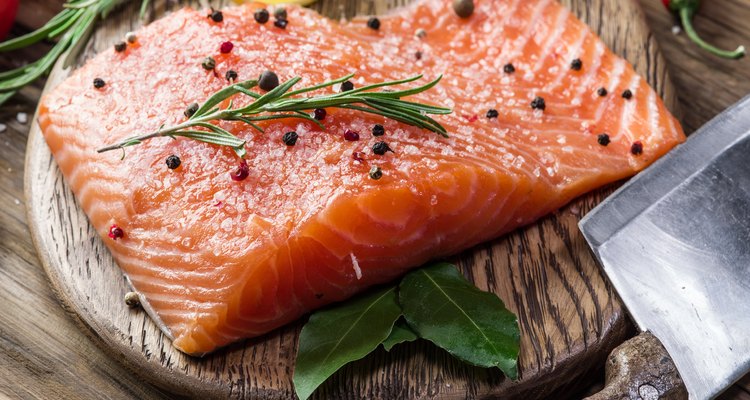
263,247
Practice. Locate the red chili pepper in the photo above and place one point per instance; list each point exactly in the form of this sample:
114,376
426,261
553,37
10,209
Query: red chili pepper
687,9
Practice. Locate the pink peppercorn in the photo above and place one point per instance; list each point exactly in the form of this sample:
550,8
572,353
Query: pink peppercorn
226,47
351,136
115,232
241,172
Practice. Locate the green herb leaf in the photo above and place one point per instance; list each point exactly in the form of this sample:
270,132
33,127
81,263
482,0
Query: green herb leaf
401,333
339,335
474,326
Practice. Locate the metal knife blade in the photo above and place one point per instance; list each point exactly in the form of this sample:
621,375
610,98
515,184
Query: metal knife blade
675,243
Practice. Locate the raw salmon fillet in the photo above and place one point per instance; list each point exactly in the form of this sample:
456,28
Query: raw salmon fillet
218,260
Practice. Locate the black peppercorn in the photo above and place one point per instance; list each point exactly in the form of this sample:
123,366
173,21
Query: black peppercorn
603,139
378,130
373,23
381,148
290,138
538,103
627,94
191,109
492,113
231,75
268,80
509,68
261,16
601,92
216,16
636,148
280,13
281,23
576,64
208,63
120,47
173,162
99,83
347,86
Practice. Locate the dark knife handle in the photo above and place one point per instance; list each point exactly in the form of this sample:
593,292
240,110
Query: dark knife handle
641,368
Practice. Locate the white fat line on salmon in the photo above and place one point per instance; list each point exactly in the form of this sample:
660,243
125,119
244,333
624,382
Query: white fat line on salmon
520,42
355,265
619,69
560,27
628,109
564,67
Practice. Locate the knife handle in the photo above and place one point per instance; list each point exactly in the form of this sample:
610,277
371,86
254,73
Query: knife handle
641,368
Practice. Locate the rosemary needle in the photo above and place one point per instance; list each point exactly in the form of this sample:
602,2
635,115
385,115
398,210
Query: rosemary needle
281,103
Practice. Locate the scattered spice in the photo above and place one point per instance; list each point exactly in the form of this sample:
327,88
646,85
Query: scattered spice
376,173
627,94
216,15
381,148
261,15
319,114
173,162
191,109
99,83
603,139
492,113
358,156
470,118
636,148
538,103
132,300
420,33
418,55
290,138
268,80
209,63
120,47
601,92
226,47
242,171
351,135
130,37
463,8
576,64
231,75
378,130
347,86
115,232
373,23
281,23
509,68
280,13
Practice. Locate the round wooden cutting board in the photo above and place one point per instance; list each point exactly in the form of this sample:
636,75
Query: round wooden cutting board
570,318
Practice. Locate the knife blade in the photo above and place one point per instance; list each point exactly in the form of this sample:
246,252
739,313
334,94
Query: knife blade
675,243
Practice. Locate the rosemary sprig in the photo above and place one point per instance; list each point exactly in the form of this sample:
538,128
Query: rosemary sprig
71,27
281,103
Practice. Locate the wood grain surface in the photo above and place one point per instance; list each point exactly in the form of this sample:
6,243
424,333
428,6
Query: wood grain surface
569,317
43,353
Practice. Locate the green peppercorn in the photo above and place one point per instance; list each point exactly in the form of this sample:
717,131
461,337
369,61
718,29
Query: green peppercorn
191,109
280,13
130,37
209,63
463,8
132,300
376,173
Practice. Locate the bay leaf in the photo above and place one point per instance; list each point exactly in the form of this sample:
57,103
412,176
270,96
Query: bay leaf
440,305
347,332
399,334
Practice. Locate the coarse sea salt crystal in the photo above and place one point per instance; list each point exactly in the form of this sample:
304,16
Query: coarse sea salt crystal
22,118
3,128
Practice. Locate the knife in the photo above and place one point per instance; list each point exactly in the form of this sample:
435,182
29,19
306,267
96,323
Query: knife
674,241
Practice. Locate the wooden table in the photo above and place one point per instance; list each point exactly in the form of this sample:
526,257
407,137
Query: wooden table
44,354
